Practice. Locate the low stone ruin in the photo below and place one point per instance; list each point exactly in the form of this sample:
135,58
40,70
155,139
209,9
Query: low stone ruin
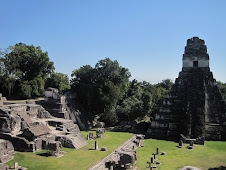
54,147
103,149
100,125
29,127
190,168
6,151
127,157
199,140
123,158
4,167
99,134
16,166
139,140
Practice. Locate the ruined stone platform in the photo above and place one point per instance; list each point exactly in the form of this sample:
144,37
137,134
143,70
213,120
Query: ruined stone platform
29,127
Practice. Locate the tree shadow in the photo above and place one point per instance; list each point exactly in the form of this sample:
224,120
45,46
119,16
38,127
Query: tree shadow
218,168
44,154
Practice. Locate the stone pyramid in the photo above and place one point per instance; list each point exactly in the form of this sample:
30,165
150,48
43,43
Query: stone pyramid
194,108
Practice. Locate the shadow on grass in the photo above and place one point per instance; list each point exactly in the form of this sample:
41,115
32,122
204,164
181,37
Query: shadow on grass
219,168
44,154
91,149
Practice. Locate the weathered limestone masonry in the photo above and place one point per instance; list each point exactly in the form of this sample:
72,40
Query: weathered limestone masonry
59,105
194,107
29,127
7,151
55,104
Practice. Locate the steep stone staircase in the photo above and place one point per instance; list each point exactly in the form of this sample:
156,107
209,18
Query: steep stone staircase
79,141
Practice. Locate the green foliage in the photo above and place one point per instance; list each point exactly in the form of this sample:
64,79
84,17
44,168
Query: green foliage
106,91
59,81
84,85
24,69
7,83
166,84
142,100
100,89
26,90
110,117
32,88
37,86
27,62
161,91
222,87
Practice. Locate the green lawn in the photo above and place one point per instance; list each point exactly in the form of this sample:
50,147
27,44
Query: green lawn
73,159
211,155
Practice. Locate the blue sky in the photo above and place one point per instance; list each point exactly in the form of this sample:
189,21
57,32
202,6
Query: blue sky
147,36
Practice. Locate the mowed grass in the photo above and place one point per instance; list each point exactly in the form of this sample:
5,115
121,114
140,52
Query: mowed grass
73,159
211,155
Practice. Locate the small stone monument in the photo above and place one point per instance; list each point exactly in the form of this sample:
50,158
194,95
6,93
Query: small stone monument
96,145
180,144
149,165
154,156
104,149
157,151
163,153
15,165
191,145
152,160
90,136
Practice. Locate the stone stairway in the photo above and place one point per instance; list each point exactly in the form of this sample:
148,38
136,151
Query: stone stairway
129,144
79,141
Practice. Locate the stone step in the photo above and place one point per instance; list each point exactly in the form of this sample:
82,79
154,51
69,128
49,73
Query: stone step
79,141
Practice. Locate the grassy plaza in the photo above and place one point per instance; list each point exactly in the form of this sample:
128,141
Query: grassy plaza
211,155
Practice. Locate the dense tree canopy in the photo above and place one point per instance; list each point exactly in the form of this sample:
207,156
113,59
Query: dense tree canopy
105,90
27,62
99,89
24,69
59,81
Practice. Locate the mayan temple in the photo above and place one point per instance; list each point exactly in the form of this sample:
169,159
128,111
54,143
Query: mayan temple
194,108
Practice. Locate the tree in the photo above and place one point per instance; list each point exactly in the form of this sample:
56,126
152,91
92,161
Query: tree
166,84
59,81
27,62
138,102
100,89
162,90
24,66
83,84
